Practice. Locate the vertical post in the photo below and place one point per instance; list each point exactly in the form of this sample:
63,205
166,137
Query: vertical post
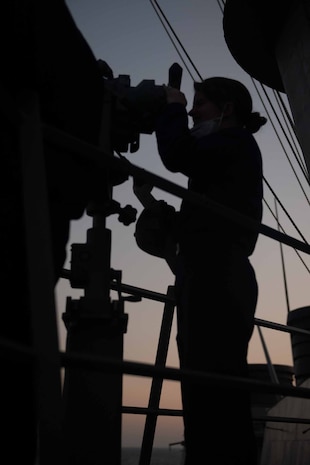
272,371
93,399
156,387
41,283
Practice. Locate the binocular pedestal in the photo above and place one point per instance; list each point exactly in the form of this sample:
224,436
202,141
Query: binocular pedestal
95,327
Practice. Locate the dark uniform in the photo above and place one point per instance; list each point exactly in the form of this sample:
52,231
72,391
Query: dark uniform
216,287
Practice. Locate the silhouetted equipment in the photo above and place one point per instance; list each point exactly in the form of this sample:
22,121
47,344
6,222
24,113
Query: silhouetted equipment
154,229
134,109
300,318
95,324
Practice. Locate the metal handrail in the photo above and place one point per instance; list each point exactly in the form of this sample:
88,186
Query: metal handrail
102,159
165,412
84,361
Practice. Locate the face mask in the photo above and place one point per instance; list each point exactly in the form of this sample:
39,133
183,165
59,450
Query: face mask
205,127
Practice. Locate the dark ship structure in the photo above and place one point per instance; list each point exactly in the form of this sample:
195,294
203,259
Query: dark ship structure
79,391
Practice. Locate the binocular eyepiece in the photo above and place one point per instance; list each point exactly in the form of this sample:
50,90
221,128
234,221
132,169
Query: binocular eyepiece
134,109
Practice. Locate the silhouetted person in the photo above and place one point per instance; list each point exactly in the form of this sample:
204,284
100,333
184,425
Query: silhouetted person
41,50
216,287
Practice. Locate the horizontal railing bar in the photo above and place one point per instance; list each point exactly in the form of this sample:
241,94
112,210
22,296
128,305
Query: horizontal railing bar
280,327
24,352
142,293
276,419
163,298
16,350
132,290
84,361
28,353
147,411
137,291
129,289
179,413
97,363
72,144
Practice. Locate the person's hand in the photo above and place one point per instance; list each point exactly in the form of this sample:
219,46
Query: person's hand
142,189
174,95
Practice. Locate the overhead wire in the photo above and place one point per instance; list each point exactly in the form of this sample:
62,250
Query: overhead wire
290,126
158,10
282,260
298,158
281,143
285,211
283,109
288,118
284,232
281,126
296,153
221,5
285,112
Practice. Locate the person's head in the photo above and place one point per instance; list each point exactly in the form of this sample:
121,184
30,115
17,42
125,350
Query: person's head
225,99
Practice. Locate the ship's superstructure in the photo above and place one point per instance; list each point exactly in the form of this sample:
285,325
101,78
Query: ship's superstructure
93,362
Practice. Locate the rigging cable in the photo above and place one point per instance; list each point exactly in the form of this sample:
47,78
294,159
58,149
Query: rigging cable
280,124
282,261
285,211
282,145
282,108
196,70
282,229
286,111
153,3
290,126
221,5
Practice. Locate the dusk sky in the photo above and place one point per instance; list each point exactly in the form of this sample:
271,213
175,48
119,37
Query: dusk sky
131,39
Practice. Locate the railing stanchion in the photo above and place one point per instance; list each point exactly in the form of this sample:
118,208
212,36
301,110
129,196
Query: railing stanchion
41,282
156,387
